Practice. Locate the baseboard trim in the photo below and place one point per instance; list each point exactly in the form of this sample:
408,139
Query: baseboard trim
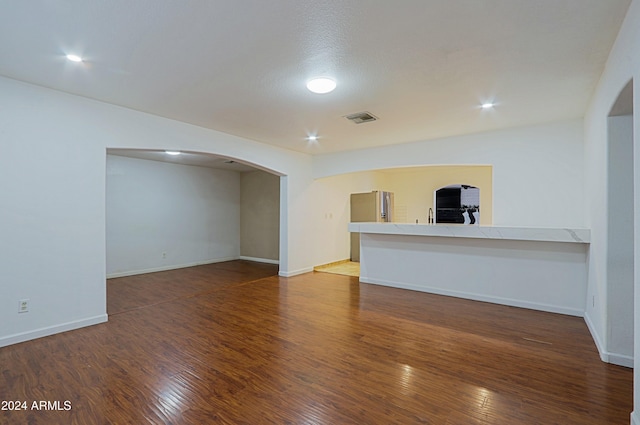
607,357
51,330
259,260
295,272
620,360
635,419
172,267
477,297
596,338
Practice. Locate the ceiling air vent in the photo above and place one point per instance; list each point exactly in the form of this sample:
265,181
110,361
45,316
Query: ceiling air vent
361,117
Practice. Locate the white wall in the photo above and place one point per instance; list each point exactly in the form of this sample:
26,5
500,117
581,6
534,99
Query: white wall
161,216
52,214
547,276
52,200
537,171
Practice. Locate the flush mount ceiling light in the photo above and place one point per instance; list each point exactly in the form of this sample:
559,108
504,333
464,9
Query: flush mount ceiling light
312,138
172,152
487,105
74,58
321,85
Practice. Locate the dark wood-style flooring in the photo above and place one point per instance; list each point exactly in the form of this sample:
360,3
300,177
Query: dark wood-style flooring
232,343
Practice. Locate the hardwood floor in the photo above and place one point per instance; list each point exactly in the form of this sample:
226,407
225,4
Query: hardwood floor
234,344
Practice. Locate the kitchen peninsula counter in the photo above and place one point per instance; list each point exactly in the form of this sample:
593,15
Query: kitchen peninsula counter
538,268
477,232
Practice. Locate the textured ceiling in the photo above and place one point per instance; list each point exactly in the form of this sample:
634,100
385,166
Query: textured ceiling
240,66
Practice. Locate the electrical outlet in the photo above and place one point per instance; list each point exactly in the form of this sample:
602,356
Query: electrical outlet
164,255
23,306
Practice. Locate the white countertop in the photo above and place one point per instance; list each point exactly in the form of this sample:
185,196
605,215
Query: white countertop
477,232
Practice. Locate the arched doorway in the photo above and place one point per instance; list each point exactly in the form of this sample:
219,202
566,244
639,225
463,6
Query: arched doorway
166,211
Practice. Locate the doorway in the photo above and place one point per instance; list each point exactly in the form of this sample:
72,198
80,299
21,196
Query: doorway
165,212
620,230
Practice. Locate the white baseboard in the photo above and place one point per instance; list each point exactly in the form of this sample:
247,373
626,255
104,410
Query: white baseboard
295,272
605,356
259,260
596,338
635,419
620,360
50,330
477,297
171,267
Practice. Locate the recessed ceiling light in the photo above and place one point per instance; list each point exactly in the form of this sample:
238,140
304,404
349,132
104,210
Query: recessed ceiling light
321,85
74,58
487,105
172,152
312,138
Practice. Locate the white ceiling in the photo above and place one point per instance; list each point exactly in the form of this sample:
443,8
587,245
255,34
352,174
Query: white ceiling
240,66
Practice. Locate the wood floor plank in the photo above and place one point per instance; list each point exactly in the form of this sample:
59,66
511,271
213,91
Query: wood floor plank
235,344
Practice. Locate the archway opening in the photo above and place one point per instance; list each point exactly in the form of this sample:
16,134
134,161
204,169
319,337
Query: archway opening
620,233
166,212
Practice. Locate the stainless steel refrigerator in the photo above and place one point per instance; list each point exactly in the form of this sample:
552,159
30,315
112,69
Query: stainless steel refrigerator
376,206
